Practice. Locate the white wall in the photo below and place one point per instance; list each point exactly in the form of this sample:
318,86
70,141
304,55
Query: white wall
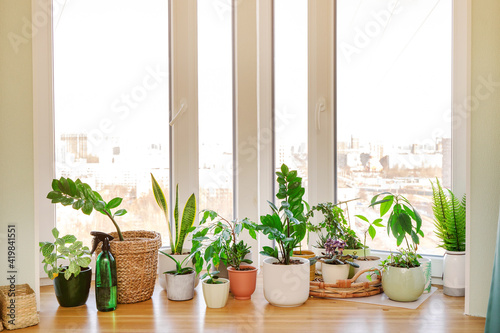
485,153
16,142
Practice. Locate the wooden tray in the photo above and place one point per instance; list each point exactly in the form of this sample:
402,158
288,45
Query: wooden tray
347,288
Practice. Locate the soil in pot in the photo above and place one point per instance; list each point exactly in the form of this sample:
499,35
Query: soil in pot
75,291
180,287
243,281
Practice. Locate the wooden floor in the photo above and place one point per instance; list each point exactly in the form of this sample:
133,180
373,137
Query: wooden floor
439,313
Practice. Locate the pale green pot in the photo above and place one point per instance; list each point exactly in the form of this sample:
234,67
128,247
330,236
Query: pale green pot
403,284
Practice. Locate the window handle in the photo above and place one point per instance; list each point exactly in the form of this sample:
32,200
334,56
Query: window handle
182,108
320,107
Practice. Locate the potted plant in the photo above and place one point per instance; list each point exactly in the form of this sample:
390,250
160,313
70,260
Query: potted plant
449,221
130,248
366,261
180,282
402,278
181,230
335,265
215,290
286,279
71,282
223,248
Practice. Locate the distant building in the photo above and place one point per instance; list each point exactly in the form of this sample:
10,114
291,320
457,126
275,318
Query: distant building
446,144
76,145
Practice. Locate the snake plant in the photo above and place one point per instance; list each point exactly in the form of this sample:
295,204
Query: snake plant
449,218
182,227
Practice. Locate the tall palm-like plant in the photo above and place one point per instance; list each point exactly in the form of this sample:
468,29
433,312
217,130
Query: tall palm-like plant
182,227
449,218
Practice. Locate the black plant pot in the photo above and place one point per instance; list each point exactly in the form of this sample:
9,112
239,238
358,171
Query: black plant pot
75,291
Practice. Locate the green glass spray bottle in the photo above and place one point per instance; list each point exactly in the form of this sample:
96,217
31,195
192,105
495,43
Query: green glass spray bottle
105,275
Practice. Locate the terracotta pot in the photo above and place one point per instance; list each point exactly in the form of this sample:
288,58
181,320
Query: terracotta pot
243,281
306,254
222,268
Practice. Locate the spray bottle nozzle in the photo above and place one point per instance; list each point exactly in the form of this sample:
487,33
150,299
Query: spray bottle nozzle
100,237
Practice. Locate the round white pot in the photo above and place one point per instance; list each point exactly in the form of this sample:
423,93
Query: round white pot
166,264
403,284
216,294
372,262
286,285
180,287
454,273
333,273
355,252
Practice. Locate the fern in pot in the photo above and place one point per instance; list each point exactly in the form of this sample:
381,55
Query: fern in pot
449,222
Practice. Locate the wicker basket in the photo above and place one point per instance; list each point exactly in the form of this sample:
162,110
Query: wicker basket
347,288
25,307
136,264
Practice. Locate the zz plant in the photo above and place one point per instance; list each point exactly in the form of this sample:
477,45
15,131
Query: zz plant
182,227
449,218
287,224
65,247
81,196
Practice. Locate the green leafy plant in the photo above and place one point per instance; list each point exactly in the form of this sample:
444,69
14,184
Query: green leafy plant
222,242
334,256
404,223
81,196
211,278
371,229
182,227
179,270
449,218
65,247
287,224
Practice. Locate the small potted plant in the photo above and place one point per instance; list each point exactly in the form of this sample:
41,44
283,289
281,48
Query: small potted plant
286,279
449,222
71,282
335,265
366,261
223,249
181,229
180,282
402,278
215,289
137,248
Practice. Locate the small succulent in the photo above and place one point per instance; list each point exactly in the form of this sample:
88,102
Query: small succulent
334,256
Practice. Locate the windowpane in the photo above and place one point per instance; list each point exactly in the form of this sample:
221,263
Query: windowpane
393,105
215,106
290,85
111,108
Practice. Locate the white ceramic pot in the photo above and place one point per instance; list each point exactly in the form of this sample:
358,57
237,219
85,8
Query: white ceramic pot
355,252
454,273
333,273
372,262
180,287
286,285
425,263
216,294
166,264
403,284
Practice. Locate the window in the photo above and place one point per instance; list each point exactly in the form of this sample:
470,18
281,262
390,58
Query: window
215,107
111,91
393,106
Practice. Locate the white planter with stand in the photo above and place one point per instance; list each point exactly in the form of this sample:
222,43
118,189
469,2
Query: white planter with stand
286,285
454,273
166,264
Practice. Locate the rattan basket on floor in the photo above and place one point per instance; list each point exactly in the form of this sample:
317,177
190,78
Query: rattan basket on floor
347,288
136,264
25,313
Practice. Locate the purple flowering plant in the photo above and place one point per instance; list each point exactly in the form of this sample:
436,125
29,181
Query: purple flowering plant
334,253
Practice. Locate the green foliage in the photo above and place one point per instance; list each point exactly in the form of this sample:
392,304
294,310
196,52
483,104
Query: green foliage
404,223
371,228
287,224
335,224
65,247
181,228
405,258
81,196
449,218
216,240
211,278
179,270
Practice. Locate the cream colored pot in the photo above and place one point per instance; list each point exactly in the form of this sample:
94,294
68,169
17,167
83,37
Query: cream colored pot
333,273
403,284
216,294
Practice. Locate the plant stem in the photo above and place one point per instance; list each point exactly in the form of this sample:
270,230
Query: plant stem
116,225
